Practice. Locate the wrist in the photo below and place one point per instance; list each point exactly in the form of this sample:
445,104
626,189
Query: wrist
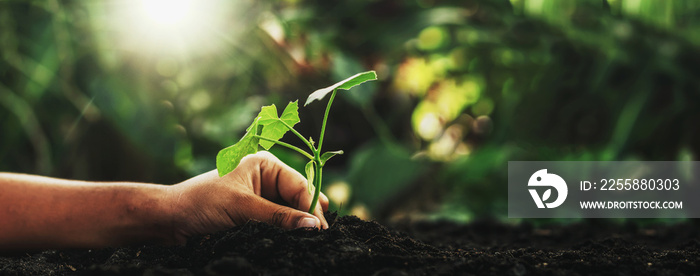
153,212
171,208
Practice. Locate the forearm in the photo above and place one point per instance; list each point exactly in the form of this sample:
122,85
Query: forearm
42,212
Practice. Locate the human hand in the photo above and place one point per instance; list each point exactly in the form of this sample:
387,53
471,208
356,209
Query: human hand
208,203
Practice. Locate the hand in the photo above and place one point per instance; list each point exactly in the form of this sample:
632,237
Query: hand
208,203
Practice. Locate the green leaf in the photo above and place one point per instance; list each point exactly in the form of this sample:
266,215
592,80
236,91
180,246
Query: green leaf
327,155
268,115
310,175
345,84
346,65
228,159
273,128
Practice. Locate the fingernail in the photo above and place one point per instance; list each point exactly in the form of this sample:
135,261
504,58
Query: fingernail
308,222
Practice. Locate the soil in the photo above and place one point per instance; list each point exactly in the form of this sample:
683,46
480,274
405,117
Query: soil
355,247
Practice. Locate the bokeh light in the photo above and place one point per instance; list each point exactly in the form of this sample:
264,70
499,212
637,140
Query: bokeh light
338,192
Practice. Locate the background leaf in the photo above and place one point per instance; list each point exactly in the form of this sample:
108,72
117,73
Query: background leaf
345,84
272,127
228,159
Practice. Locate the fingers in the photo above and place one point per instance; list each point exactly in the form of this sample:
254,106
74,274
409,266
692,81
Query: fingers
264,210
323,199
278,180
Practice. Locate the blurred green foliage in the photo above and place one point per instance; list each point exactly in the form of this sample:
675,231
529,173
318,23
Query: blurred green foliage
97,90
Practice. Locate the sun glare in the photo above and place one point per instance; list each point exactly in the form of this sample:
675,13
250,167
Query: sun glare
168,12
181,28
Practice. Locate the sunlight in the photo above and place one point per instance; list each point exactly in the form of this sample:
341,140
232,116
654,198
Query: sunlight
181,28
167,12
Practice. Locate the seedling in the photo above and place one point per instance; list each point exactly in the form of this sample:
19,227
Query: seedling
267,128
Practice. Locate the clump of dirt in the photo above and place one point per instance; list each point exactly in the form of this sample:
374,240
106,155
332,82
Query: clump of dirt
355,247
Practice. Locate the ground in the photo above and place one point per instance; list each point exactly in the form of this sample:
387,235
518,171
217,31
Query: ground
355,247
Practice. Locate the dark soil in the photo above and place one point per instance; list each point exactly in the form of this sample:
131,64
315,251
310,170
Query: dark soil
355,247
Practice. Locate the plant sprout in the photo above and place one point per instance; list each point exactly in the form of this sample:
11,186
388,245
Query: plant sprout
267,128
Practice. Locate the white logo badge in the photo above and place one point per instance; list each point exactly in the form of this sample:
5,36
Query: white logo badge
542,178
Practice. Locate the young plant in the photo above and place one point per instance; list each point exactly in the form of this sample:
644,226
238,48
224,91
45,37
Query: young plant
267,128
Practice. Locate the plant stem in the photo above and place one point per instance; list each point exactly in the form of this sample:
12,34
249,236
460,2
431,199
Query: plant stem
317,154
325,119
317,184
286,145
311,147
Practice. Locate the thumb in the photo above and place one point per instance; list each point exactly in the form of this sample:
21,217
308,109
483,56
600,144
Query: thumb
289,218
